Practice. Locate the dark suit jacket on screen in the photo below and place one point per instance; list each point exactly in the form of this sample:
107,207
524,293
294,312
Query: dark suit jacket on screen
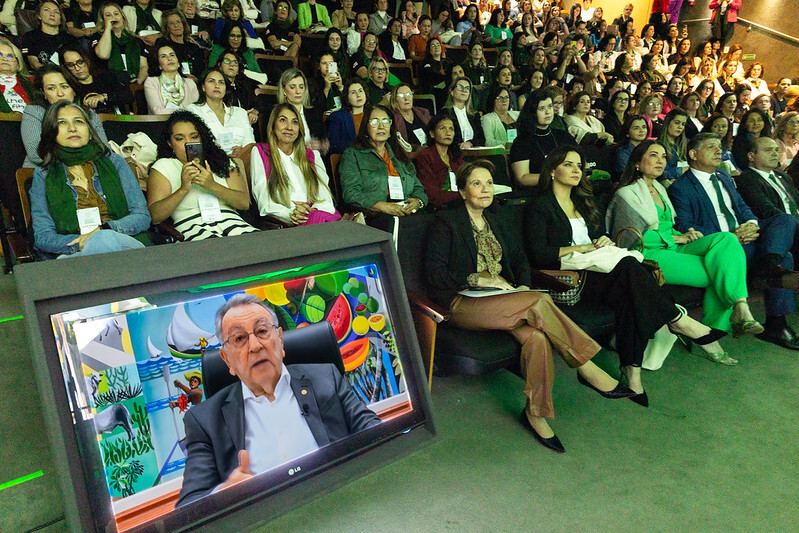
760,196
215,428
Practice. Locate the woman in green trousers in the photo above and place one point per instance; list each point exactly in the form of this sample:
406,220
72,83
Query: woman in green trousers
715,262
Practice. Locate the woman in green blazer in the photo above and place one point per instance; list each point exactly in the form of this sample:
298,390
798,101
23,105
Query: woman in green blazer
375,173
310,14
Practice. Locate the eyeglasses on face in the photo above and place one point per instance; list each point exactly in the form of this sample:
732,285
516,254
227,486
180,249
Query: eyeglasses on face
380,69
233,62
462,88
282,8
408,94
239,338
375,122
503,98
77,64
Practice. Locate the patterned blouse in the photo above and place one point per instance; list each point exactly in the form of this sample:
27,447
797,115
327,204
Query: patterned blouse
489,253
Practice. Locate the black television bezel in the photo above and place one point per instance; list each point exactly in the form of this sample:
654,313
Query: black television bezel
53,287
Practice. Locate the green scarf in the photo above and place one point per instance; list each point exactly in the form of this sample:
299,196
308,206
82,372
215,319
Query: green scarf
128,44
61,202
145,18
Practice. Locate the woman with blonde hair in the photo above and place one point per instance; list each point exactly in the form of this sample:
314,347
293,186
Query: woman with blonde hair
119,47
16,91
293,88
288,181
786,133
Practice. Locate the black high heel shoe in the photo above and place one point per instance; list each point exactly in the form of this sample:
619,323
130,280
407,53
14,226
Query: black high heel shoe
620,391
713,336
641,399
553,442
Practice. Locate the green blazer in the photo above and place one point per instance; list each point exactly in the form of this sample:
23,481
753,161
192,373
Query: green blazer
364,177
304,15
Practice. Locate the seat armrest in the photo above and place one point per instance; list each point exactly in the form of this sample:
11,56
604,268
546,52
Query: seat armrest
429,308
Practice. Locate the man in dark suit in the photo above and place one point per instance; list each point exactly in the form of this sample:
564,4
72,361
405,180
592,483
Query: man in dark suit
273,415
765,189
706,200
625,17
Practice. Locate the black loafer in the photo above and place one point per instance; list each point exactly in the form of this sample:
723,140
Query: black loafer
784,337
553,442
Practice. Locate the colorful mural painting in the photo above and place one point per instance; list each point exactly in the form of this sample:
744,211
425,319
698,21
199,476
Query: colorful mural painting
141,367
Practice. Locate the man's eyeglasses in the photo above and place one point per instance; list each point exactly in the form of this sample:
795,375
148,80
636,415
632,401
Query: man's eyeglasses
77,64
233,62
238,339
375,122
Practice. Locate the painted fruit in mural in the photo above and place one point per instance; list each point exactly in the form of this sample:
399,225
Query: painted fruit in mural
314,308
354,353
340,317
360,325
333,283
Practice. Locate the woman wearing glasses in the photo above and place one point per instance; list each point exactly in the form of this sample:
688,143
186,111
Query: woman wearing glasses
282,35
177,34
614,119
240,88
468,131
377,88
499,126
376,175
96,89
411,122
16,91
233,40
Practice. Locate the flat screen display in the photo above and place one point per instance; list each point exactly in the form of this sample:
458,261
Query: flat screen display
132,375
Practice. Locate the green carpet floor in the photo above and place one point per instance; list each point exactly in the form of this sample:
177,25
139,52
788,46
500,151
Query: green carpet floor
716,451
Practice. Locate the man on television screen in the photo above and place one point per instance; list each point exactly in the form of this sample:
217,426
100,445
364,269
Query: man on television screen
275,414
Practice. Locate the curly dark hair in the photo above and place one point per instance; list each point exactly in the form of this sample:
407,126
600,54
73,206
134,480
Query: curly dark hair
582,195
217,159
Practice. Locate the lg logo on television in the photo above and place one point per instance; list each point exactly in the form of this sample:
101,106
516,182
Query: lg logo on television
293,471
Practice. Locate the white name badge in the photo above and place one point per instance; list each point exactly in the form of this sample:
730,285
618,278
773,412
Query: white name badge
735,127
186,67
226,140
482,79
453,184
194,29
88,25
283,47
420,134
395,188
209,208
512,133
88,219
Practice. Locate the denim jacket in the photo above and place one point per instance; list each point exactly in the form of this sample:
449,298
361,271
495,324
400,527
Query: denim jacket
364,178
47,239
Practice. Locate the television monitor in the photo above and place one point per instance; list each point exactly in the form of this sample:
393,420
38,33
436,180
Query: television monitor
118,342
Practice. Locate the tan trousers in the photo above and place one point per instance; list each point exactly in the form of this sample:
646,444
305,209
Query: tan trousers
539,325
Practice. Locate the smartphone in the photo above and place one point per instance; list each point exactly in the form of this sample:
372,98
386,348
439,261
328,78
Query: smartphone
332,68
194,151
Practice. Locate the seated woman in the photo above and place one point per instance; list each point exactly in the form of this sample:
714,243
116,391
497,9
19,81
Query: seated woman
231,12
79,175
468,132
200,195
328,87
503,78
727,105
417,43
334,40
233,40
288,181
41,45
499,125
633,132
282,35
363,57
143,20
120,48
410,121
342,19
344,124
673,140
313,16
476,68
96,89
438,162
582,125
375,173
199,27
754,77
168,90
651,109
754,124
650,73
501,36
468,247
240,89
177,34
721,126
536,139
673,95
433,71
705,90
378,88
230,125
691,103
716,262
293,88
534,82
51,84
16,91
786,134
564,219
380,20
618,107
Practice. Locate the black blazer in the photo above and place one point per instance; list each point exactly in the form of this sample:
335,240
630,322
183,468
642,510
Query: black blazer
451,254
215,428
478,139
547,229
761,197
316,122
